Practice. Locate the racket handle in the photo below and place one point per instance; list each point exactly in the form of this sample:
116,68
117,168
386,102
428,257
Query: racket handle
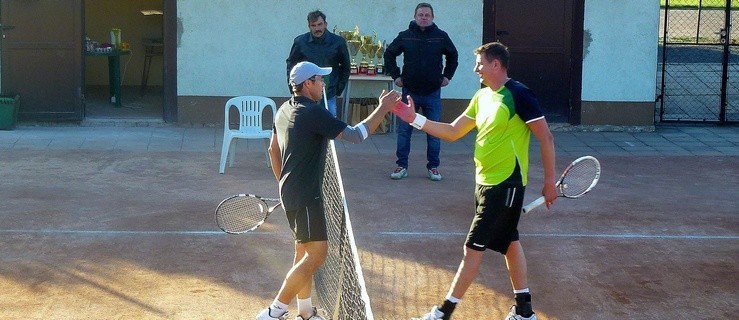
533,204
325,99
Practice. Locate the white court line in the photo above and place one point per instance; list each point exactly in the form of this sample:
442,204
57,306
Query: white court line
388,233
577,235
125,232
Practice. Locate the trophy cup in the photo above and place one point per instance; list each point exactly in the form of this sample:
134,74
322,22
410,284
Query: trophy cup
353,44
366,42
371,51
380,57
347,35
371,69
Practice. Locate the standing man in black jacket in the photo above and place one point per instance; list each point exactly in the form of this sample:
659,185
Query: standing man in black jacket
325,49
423,45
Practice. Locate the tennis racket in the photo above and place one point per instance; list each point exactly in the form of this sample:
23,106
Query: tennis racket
242,213
579,178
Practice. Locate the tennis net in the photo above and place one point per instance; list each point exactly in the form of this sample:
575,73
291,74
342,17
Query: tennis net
339,283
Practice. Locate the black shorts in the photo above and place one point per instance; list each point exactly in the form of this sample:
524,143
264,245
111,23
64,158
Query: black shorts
309,222
497,211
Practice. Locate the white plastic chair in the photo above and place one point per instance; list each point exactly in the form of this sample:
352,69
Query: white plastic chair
251,109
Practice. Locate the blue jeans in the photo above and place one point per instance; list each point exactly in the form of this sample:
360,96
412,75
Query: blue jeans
430,105
332,106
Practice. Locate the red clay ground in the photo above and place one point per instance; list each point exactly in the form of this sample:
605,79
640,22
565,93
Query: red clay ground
120,235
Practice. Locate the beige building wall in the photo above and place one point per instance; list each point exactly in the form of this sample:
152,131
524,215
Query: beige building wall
619,62
228,48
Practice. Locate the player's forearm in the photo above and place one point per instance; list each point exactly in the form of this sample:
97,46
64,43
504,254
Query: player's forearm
375,119
355,134
441,130
447,131
386,102
362,130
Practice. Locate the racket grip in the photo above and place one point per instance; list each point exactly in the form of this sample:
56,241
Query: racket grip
325,99
533,204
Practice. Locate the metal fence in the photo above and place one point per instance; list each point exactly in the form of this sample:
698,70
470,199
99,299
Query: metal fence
699,63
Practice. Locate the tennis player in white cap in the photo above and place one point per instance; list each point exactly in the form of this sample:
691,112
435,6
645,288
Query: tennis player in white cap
302,129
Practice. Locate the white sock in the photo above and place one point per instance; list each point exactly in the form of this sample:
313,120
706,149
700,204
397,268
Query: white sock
452,299
277,307
305,307
524,290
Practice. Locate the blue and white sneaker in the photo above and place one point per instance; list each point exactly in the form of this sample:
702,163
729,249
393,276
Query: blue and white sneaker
435,314
264,315
315,316
514,316
399,173
434,174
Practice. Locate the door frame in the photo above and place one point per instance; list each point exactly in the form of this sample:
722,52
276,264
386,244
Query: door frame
576,52
169,78
169,58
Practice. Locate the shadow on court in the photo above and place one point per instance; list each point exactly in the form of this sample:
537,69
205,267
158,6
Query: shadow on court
131,235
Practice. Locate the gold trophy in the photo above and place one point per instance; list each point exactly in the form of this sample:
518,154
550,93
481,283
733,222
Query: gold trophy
380,57
347,35
366,42
353,44
371,69
372,52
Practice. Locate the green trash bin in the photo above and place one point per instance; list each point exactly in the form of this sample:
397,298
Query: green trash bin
9,111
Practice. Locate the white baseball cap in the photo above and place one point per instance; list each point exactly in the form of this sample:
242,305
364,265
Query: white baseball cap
305,70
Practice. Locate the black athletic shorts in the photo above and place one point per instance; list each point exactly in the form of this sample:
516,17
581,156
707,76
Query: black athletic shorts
497,211
309,222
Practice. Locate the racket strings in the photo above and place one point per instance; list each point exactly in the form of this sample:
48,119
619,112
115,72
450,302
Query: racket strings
241,214
579,178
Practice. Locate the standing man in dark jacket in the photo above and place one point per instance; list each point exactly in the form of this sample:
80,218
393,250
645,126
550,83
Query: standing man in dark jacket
325,49
422,46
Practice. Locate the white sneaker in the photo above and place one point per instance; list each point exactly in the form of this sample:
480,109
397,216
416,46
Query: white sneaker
264,315
315,316
513,316
434,174
435,314
399,173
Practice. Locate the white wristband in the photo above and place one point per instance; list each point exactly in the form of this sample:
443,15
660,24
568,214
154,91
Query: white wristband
419,122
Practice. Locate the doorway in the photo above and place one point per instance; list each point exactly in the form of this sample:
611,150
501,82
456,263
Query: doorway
544,38
139,71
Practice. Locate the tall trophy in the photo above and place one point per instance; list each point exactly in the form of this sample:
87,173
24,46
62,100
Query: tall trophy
380,69
365,49
371,68
353,44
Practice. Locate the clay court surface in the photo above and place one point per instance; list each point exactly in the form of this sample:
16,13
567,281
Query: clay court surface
116,234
